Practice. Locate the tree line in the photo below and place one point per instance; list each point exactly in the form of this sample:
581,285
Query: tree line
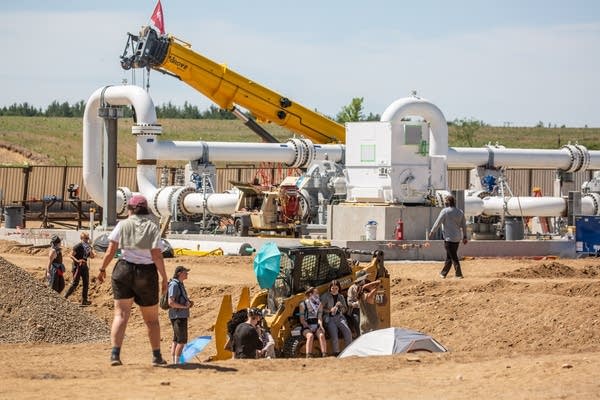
349,113
65,109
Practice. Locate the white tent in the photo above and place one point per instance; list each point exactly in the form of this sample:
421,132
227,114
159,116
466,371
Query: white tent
391,341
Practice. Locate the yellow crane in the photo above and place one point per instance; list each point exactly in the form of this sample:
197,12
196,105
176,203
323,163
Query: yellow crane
227,88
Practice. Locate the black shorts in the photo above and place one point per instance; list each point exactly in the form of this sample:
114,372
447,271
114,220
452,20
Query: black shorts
139,281
180,330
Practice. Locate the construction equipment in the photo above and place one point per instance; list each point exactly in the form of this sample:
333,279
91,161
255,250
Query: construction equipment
227,88
261,211
302,267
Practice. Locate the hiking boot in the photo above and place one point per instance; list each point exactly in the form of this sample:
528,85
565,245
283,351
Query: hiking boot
86,303
325,355
442,276
158,361
459,277
309,355
115,360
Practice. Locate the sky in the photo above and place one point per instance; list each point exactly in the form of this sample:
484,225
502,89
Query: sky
503,62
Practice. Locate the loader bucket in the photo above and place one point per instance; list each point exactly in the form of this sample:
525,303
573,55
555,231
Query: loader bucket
220,327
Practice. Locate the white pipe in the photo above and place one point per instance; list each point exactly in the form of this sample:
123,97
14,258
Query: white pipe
216,203
525,206
242,152
414,106
473,206
461,157
93,127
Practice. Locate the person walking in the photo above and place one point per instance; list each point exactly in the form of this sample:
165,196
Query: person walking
81,271
135,275
334,308
179,311
454,228
56,269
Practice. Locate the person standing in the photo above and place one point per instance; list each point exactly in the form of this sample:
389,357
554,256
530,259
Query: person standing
334,308
179,311
369,320
246,339
81,252
454,228
56,269
135,275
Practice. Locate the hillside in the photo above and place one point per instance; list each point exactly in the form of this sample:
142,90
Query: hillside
57,141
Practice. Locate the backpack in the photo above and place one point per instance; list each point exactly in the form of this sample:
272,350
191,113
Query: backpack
164,301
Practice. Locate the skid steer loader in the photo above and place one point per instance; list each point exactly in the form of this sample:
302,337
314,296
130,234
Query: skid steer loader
302,267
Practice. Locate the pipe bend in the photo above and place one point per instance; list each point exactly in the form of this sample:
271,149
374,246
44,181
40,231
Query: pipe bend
430,112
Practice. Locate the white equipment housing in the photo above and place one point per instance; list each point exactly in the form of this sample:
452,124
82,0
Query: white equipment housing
389,162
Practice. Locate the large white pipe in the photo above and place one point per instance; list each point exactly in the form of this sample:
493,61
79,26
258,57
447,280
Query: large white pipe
93,128
525,206
242,152
564,158
415,106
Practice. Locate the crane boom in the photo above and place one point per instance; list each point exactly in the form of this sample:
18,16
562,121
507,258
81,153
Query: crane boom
227,88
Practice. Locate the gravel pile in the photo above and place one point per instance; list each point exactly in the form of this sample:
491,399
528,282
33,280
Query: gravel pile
32,312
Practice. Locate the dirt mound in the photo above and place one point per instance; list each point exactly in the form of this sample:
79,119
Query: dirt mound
32,312
552,270
15,154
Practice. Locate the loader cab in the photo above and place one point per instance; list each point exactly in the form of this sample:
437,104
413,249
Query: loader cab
306,266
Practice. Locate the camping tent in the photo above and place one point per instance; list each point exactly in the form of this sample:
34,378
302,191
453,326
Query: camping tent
391,341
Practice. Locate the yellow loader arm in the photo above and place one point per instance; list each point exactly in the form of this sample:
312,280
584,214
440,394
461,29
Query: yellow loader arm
227,88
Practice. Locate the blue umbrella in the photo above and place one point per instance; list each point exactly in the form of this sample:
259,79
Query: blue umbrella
266,264
192,348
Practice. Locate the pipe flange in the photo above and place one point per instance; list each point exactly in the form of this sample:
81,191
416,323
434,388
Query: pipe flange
155,200
178,197
298,153
310,153
574,155
146,129
125,194
595,201
585,157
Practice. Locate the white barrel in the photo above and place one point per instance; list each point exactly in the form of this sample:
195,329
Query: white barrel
371,230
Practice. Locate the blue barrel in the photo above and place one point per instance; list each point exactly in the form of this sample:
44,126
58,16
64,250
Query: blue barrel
514,229
13,216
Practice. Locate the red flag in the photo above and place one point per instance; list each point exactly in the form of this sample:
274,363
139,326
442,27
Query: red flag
157,18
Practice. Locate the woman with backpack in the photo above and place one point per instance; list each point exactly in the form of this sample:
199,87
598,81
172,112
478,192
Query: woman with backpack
179,311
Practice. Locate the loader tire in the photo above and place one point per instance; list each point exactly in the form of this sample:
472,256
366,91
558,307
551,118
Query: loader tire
294,347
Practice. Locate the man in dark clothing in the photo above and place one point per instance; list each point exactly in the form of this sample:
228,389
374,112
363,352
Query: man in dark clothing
246,341
81,252
454,228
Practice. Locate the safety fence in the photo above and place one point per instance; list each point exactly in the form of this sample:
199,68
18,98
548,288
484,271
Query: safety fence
30,184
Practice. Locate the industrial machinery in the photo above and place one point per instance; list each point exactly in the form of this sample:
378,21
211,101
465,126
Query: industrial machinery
227,88
261,211
302,267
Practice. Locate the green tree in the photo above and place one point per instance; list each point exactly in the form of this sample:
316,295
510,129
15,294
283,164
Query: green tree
352,112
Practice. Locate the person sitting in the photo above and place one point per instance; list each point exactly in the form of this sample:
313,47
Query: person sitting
246,341
268,349
334,308
311,318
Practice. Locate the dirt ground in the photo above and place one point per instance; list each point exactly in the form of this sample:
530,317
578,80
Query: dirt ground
515,328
